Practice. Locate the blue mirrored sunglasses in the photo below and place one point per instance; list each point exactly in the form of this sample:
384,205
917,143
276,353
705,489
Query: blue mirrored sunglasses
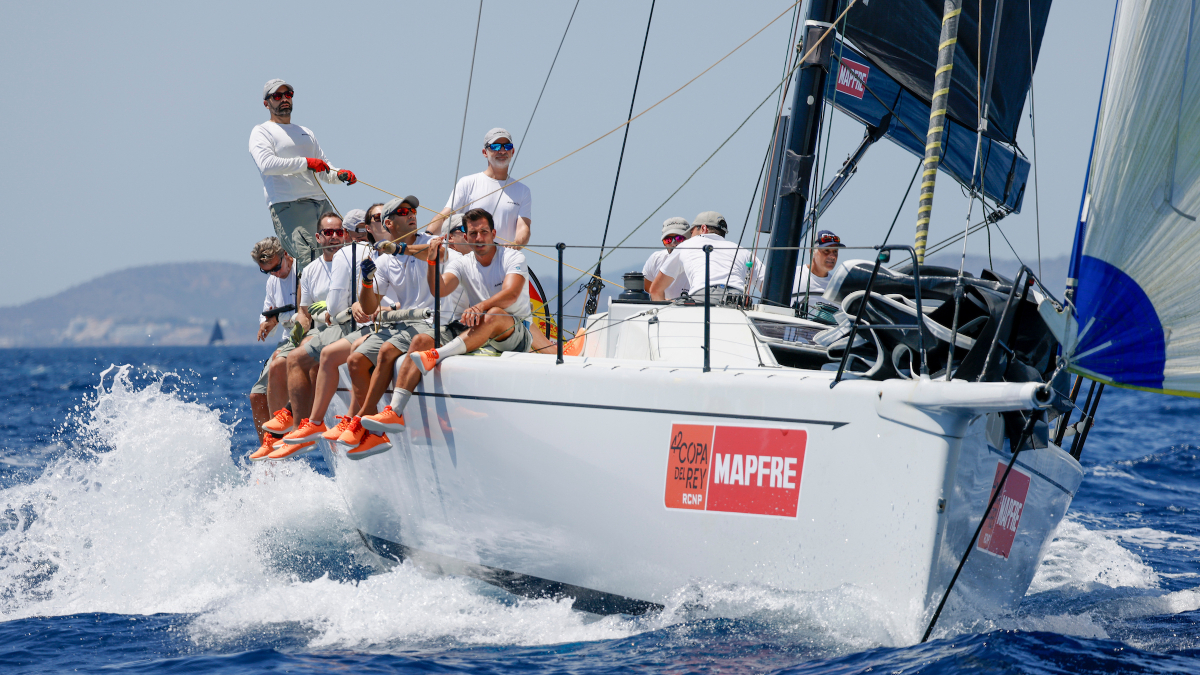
497,147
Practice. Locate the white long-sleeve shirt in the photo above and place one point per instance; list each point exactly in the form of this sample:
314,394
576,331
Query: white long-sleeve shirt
346,273
280,152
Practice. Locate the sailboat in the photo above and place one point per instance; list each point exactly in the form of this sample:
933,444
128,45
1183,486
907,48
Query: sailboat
907,448
218,335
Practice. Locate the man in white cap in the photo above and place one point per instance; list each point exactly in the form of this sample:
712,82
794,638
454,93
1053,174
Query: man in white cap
730,266
508,200
291,161
675,232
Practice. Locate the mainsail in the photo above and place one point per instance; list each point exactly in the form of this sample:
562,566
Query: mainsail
1134,265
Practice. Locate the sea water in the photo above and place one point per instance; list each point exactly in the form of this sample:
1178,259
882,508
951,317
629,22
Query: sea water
134,535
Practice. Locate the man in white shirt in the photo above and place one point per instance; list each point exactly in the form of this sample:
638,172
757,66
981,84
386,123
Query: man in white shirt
314,286
270,392
730,265
824,259
509,201
675,232
285,154
497,289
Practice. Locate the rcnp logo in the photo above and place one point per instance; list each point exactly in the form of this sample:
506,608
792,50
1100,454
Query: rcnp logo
735,469
848,83
1000,528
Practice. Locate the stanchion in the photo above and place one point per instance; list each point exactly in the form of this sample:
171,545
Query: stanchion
561,247
708,249
437,299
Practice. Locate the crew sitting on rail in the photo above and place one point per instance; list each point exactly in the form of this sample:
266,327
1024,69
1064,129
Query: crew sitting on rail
824,259
497,289
266,394
674,232
332,346
730,266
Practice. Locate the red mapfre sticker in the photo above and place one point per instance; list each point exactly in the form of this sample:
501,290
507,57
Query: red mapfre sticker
1000,528
735,469
847,83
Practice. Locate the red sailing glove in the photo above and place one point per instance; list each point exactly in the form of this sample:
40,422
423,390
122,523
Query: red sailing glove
317,164
347,177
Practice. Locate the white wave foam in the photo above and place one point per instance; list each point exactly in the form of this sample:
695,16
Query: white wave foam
1080,559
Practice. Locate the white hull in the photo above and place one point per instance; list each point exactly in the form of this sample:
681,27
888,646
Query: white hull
556,480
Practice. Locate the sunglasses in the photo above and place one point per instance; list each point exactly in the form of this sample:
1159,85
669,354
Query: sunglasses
829,239
333,233
673,239
280,95
376,218
404,211
273,269
497,147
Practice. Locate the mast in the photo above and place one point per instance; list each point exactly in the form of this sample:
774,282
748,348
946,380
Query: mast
800,151
937,119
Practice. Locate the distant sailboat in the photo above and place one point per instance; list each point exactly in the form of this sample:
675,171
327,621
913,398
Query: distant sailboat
217,337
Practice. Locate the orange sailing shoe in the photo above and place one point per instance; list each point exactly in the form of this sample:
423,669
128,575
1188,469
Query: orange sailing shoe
293,450
387,420
353,434
263,450
425,360
307,432
281,424
334,433
371,444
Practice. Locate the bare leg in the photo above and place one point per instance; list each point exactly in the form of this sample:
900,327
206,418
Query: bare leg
388,354
409,375
497,323
327,376
360,377
300,387
261,412
542,344
277,389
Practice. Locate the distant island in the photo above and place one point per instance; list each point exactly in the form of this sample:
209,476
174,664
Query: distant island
178,303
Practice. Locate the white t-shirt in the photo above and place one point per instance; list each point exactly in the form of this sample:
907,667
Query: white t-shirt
652,267
280,292
688,262
481,283
814,284
514,201
404,277
314,284
346,273
279,151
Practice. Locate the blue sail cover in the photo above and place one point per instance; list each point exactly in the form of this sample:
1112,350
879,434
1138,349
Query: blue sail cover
1137,312
875,99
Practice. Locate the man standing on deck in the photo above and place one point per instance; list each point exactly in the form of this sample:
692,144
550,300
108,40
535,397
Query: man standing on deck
729,265
509,201
285,154
675,232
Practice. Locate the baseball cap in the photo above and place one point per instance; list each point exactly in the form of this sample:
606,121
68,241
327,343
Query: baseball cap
491,136
676,225
713,220
355,221
390,207
270,87
827,239
450,223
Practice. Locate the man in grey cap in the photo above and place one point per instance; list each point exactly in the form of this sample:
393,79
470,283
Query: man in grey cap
509,201
730,266
675,232
291,161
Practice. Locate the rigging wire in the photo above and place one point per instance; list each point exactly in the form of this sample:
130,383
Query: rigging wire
470,76
903,199
1037,215
525,135
595,287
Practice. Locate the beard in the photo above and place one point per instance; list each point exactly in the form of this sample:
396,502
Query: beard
498,163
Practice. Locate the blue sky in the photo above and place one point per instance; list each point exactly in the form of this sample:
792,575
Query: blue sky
126,124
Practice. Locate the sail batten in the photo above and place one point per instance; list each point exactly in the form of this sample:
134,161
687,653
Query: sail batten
1138,241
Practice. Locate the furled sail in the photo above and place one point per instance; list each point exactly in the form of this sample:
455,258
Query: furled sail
901,37
1137,310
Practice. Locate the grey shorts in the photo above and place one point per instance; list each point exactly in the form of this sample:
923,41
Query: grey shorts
284,349
518,341
296,226
326,337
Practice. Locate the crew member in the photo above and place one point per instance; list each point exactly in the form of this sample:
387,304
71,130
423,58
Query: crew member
824,259
675,232
730,265
497,289
509,201
285,154
270,392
